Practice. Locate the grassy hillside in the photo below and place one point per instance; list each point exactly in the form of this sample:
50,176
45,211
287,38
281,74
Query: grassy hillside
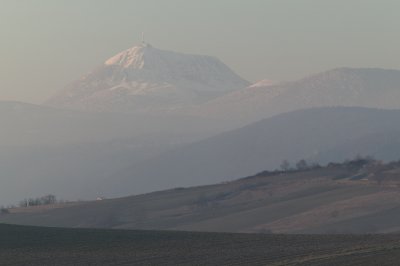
353,197
21,245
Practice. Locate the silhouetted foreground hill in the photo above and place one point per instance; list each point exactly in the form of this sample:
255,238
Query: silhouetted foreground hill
360,196
21,245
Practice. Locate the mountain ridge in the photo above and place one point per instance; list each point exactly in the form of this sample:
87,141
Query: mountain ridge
144,78
302,134
358,87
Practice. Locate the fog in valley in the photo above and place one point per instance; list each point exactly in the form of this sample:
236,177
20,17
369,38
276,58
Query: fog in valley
106,100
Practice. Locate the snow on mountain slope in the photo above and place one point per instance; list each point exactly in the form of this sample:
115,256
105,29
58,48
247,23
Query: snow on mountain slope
144,78
378,88
263,83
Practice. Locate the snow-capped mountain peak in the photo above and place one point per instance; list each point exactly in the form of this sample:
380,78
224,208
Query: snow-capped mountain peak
145,78
132,57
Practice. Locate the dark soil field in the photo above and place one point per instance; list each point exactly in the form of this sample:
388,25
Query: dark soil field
21,245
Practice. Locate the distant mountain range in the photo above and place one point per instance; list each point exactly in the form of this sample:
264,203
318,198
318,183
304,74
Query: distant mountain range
147,79
318,135
150,119
84,155
362,87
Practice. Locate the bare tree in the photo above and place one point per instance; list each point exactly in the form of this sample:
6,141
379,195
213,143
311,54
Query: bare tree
45,200
302,165
285,165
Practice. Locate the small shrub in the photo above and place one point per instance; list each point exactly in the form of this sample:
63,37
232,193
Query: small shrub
302,165
4,211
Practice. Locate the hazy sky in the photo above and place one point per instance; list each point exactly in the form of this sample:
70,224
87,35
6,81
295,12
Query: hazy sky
44,44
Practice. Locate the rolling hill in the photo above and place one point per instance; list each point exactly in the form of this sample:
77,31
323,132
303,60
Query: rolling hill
135,154
357,197
320,134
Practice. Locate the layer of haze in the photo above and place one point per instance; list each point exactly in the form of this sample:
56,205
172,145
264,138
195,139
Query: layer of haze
46,44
